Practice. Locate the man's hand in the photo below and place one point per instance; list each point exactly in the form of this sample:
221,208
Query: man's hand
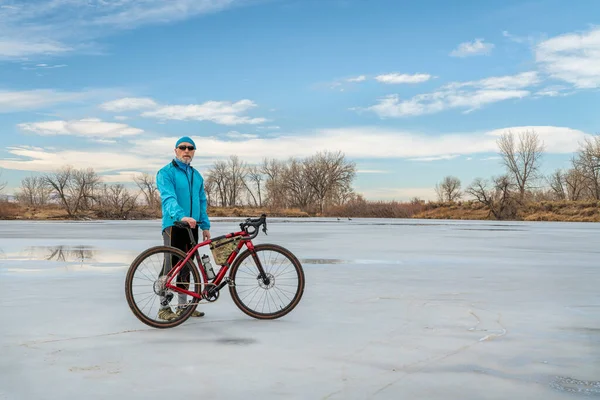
205,234
190,221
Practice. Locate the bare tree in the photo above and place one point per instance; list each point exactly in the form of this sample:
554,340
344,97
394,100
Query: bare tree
73,188
115,201
522,159
296,183
209,186
274,171
219,180
328,171
587,161
342,194
236,172
62,187
85,184
575,184
2,184
497,197
34,191
557,184
448,189
147,185
256,178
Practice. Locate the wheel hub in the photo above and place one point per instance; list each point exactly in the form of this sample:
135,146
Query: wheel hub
270,281
160,285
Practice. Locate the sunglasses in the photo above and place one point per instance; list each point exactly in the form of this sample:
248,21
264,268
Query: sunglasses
190,148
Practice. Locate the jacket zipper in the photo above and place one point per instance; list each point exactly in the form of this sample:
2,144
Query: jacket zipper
190,186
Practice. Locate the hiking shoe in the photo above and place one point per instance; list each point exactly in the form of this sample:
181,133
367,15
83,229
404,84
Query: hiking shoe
167,314
196,313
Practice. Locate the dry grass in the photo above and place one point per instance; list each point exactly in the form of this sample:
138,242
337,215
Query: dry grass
254,212
572,211
580,211
375,209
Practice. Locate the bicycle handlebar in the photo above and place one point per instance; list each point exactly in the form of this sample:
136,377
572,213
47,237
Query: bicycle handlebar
255,223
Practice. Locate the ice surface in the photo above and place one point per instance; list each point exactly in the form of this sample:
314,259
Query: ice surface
393,309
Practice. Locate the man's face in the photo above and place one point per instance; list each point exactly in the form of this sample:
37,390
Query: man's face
185,152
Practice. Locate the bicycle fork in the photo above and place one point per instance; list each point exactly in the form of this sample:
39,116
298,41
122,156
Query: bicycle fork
261,272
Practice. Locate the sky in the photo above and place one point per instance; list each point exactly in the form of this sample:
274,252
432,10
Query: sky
409,91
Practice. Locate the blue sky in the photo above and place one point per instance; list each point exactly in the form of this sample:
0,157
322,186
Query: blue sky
410,91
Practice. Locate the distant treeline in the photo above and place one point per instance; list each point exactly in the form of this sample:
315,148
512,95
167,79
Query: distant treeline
507,196
311,185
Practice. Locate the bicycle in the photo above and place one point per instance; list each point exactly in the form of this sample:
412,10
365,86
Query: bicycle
207,284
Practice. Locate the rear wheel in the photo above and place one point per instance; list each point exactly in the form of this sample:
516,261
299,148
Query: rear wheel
146,292
282,290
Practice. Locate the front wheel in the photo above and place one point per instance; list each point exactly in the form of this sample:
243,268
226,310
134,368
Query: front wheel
282,290
147,295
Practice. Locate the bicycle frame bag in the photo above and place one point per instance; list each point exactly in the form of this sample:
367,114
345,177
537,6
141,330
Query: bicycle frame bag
221,249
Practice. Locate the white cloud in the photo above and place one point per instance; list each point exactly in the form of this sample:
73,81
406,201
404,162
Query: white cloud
476,47
46,160
435,158
52,27
43,66
131,13
518,81
360,78
469,96
128,104
238,135
121,177
92,127
22,48
364,142
356,143
220,112
573,58
518,39
395,78
492,158
553,91
11,101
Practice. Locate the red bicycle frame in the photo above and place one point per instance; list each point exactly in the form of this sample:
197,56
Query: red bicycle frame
218,280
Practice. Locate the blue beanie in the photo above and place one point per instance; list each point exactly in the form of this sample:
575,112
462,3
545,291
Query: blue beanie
185,139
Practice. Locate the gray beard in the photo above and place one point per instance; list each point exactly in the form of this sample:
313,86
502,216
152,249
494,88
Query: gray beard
185,161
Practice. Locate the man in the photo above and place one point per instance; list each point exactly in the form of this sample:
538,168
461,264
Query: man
183,198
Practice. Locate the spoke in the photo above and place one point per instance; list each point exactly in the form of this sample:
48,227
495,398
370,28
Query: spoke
145,305
258,287
278,295
143,273
283,293
143,279
279,267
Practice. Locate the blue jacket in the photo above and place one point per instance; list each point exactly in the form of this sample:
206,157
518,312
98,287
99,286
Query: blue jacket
182,193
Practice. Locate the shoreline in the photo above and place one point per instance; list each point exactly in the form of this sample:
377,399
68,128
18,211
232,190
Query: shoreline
558,211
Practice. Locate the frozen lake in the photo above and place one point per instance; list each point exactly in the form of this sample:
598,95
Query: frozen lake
393,309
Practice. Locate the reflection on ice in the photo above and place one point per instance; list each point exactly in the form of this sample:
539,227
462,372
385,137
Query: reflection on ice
63,258
59,253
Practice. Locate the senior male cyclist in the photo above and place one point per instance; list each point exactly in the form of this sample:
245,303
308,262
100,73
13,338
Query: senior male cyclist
183,198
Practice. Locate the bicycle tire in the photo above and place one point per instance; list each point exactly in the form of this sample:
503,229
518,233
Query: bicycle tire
299,290
129,282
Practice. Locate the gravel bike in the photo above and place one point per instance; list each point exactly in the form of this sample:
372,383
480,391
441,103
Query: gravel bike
266,272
